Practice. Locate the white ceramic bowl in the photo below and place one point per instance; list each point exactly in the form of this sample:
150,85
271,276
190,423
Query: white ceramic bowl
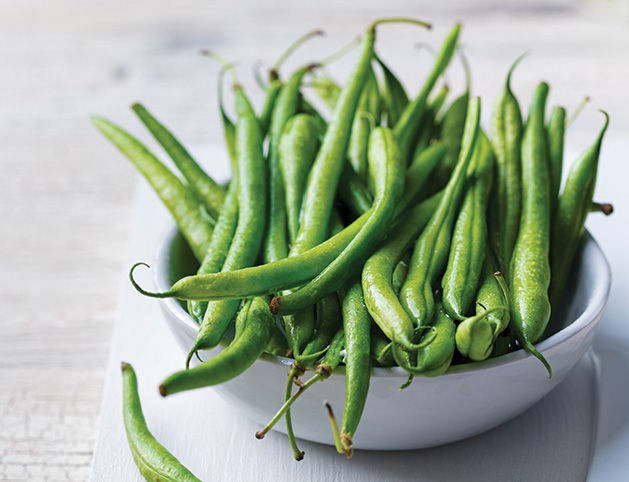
465,401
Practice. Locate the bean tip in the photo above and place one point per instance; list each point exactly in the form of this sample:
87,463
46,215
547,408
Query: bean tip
274,305
162,390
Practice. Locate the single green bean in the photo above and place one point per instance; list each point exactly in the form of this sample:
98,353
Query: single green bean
297,149
556,130
572,210
394,96
506,133
530,268
357,327
154,462
260,280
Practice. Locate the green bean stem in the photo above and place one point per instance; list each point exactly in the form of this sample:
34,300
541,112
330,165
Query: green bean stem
357,327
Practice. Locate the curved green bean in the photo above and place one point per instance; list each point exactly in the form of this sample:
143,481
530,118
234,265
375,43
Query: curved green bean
154,462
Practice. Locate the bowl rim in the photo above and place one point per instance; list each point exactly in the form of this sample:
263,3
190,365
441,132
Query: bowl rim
592,312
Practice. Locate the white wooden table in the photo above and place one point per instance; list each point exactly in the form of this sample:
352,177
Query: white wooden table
66,197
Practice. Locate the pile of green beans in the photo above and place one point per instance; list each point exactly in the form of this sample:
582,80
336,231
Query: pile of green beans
386,229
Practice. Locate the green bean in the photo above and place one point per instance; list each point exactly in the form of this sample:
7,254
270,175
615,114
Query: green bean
572,209
475,339
229,128
467,252
354,192
251,220
419,173
407,127
367,115
331,360
451,131
436,356
254,327
210,193
328,321
308,332
394,96
154,462
381,354
357,327
530,269
377,274
430,127
219,246
259,280
278,344
431,251
297,149
272,93
386,167
475,336
556,130
400,272
326,170
506,132
179,198
276,245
